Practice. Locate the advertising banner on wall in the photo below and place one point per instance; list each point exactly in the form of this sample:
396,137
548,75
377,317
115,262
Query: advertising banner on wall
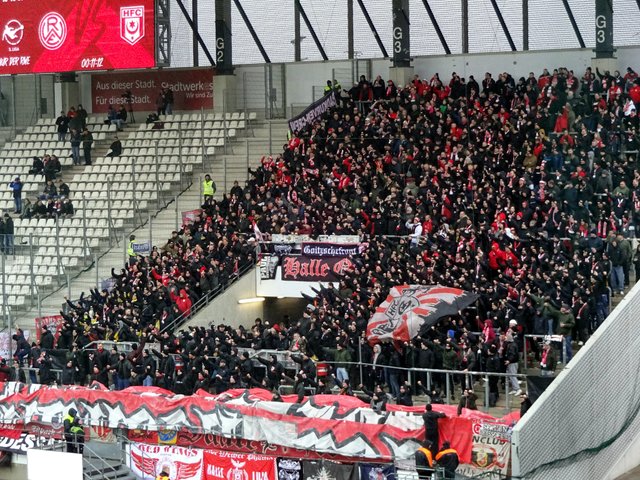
222,465
49,36
192,89
327,470
306,269
147,461
372,471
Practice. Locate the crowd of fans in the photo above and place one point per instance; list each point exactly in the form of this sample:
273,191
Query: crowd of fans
525,192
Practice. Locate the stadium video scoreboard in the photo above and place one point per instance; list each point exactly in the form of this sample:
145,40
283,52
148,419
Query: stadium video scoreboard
51,36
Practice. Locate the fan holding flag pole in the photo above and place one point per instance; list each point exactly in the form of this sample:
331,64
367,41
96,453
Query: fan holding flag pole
409,310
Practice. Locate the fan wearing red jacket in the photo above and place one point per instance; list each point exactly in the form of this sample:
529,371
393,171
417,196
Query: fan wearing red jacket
182,301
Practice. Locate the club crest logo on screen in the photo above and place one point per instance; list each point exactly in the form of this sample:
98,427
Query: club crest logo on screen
52,31
12,32
132,24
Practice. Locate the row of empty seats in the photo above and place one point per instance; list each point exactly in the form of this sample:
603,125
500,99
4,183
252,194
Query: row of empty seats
164,134
197,126
172,138
197,117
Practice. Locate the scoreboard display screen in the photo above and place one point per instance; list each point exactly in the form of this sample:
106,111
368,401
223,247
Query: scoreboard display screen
50,36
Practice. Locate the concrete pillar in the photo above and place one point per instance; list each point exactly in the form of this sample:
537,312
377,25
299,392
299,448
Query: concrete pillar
604,64
225,93
70,95
401,76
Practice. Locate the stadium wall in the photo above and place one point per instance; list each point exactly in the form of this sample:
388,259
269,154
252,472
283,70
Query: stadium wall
586,424
225,308
28,97
297,87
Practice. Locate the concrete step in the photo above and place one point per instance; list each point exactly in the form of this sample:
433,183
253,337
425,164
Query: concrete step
120,473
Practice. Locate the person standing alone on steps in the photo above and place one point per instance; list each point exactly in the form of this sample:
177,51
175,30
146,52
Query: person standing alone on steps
87,142
16,186
208,188
75,140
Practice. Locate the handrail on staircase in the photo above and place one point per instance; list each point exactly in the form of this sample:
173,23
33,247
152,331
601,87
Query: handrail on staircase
106,466
206,300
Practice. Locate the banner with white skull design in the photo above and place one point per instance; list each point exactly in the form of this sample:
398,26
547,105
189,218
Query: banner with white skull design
289,469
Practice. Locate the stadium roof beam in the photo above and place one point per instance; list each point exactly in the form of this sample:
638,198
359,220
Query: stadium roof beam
194,16
572,19
224,40
163,34
465,25
252,31
196,32
312,31
503,24
525,24
350,39
401,33
432,17
373,29
604,29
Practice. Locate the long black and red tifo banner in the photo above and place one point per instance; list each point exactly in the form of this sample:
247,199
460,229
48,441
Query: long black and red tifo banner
339,427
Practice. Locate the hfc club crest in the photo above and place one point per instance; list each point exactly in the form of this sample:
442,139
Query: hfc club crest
132,24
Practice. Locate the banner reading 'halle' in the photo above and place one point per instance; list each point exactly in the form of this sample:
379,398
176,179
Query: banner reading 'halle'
305,269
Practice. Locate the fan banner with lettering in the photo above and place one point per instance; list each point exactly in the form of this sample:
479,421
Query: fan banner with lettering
53,322
410,309
491,451
222,465
326,424
147,461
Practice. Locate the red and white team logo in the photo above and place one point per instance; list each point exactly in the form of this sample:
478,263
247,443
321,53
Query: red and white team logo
52,31
12,33
132,24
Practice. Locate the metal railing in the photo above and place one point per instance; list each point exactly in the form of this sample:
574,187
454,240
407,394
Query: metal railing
284,357
98,466
207,299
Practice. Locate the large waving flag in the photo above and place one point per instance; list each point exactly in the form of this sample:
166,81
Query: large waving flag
411,309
